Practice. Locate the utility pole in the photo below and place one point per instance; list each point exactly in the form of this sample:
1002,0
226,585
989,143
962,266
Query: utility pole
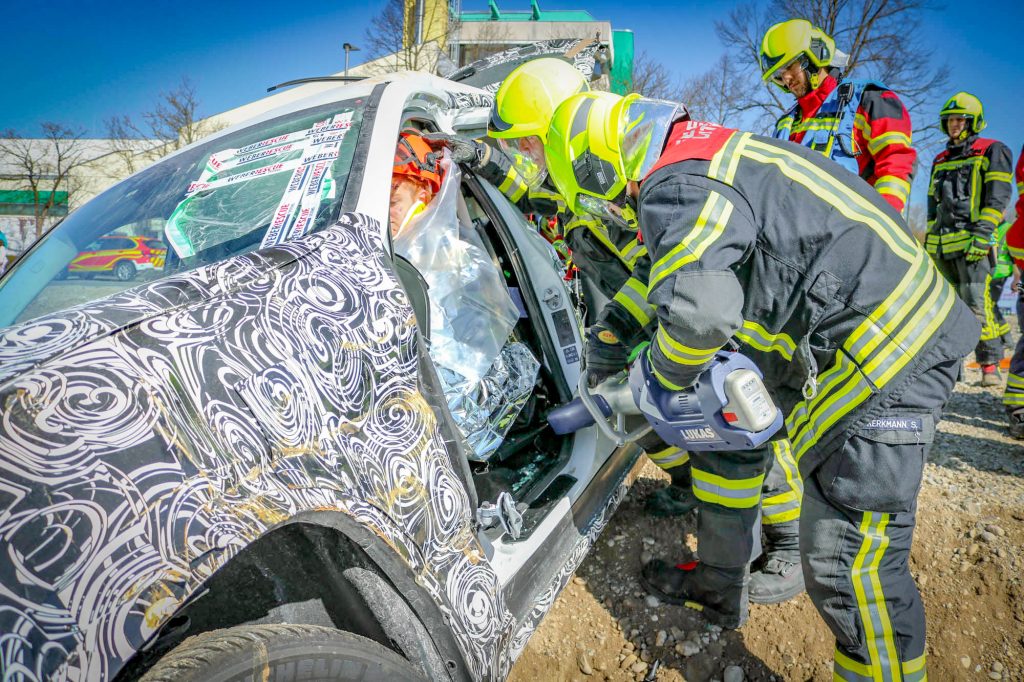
349,47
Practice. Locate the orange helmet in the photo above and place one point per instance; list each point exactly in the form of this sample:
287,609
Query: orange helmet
415,158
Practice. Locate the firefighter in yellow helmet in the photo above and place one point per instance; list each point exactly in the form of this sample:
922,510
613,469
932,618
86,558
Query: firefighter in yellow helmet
970,187
858,336
606,248
860,124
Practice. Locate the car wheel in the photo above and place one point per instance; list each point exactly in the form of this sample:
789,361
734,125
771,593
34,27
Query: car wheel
124,271
279,652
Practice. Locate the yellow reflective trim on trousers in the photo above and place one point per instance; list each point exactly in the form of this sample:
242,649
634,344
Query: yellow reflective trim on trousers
991,328
783,451
711,222
915,670
876,144
1015,381
998,176
680,353
1013,399
867,587
1015,253
633,297
756,336
841,198
725,161
845,669
742,493
670,457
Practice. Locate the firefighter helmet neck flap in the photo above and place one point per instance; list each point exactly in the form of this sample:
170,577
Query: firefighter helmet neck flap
795,41
598,142
967,105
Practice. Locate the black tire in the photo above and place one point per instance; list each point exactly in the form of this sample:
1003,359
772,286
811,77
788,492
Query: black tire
124,271
280,653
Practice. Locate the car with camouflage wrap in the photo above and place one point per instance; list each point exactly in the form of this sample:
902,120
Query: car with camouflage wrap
240,465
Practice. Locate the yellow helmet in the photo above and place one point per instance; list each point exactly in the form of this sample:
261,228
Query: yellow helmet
788,41
583,151
528,96
963,104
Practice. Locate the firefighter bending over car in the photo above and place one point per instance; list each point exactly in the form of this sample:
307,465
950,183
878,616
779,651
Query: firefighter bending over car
860,124
970,188
859,337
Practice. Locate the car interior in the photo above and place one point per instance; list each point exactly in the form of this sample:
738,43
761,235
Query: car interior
529,461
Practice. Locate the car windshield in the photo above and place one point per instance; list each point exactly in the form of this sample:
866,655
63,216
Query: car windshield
259,186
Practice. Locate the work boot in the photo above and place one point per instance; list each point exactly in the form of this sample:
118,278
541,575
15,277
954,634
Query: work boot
719,593
1015,421
676,499
778,576
990,376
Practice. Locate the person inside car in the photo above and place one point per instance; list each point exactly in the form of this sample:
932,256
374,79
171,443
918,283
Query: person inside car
486,374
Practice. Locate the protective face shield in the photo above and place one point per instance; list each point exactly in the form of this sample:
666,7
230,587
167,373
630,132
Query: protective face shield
622,214
645,125
527,154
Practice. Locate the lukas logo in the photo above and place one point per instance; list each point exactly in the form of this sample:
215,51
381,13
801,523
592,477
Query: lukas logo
705,433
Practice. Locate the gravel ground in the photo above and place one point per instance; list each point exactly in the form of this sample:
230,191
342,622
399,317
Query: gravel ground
967,557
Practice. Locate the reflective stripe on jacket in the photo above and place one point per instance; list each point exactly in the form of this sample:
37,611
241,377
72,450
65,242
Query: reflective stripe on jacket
762,241
605,253
862,126
969,189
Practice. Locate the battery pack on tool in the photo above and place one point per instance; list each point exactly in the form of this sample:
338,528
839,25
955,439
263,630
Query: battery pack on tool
728,408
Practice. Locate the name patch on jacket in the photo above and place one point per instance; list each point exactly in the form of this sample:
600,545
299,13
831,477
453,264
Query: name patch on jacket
913,424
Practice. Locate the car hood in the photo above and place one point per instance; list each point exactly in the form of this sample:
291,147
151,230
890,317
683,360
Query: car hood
36,341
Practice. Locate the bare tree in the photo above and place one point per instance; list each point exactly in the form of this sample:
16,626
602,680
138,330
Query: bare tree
174,122
652,79
402,41
717,95
882,38
44,166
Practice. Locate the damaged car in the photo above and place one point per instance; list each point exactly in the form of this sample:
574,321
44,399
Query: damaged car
244,464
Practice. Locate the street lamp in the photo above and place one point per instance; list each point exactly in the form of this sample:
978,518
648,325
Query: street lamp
349,47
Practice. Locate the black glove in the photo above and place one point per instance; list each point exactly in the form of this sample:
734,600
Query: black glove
463,150
606,354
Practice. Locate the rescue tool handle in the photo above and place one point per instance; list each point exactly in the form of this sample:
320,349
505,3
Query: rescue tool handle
620,399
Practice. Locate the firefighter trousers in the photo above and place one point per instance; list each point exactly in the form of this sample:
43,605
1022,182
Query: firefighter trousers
856,529
1013,397
971,281
781,490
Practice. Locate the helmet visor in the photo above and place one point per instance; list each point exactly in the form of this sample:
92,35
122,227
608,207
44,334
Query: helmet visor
527,159
601,209
645,125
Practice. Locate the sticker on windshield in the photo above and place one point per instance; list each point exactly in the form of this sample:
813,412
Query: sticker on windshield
306,154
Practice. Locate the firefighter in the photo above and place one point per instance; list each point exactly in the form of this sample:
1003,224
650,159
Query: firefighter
606,251
859,337
1013,397
860,124
969,189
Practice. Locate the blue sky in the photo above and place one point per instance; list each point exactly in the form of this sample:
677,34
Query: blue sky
79,62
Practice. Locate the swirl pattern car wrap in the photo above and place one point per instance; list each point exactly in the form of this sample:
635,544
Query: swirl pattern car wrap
148,437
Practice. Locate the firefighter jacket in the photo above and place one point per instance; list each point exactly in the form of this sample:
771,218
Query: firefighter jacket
606,253
817,277
861,125
1015,235
969,189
